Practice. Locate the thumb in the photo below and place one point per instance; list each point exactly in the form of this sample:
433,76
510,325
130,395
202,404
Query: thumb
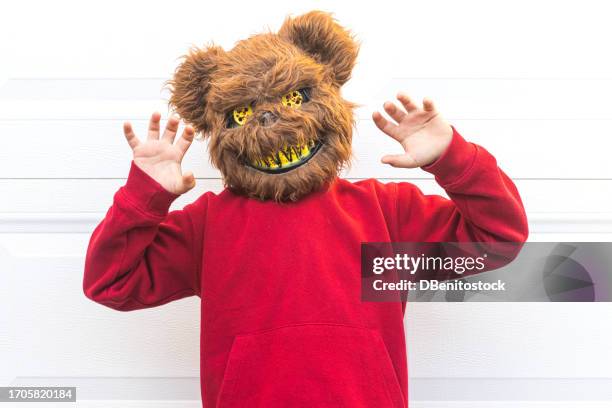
188,181
400,160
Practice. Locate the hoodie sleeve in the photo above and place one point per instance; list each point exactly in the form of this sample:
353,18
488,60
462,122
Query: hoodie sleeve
484,204
141,255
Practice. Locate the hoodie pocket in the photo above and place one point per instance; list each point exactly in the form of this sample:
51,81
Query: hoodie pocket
310,365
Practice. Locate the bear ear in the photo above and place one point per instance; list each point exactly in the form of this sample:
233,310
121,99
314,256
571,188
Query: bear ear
190,84
319,35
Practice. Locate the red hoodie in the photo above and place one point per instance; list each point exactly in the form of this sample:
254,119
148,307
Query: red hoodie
282,324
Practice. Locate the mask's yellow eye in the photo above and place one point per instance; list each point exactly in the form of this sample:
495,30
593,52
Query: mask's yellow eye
295,98
239,116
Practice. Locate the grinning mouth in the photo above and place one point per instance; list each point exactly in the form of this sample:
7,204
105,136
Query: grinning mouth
287,159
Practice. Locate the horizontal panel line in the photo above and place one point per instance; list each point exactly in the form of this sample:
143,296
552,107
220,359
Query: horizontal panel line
84,222
345,178
84,178
484,78
362,119
87,79
489,390
507,78
582,216
541,215
136,377
420,378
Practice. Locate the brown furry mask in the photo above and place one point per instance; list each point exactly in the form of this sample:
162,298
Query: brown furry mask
271,106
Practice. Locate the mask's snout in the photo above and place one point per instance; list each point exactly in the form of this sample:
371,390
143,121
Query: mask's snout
267,118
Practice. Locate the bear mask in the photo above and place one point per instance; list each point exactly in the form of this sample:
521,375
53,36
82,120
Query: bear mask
277,125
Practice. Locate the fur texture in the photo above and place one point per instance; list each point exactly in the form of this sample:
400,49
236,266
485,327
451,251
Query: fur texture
310,51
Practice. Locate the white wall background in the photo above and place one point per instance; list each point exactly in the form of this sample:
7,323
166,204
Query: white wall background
529,80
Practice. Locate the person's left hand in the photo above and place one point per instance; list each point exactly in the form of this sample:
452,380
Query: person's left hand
422,132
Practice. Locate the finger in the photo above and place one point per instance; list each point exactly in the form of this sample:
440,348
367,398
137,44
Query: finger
400,160
188,181
407,103
428,105
394,111
385,125
130,136
185,141
171,128
154,126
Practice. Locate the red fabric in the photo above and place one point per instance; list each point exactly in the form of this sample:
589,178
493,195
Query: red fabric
282,321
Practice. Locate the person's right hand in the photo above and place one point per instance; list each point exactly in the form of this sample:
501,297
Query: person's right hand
161,158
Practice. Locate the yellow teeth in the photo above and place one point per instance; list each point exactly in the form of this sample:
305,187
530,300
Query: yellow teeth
288,157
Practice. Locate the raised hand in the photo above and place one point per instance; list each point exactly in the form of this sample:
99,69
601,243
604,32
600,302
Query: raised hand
161,158
422,132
